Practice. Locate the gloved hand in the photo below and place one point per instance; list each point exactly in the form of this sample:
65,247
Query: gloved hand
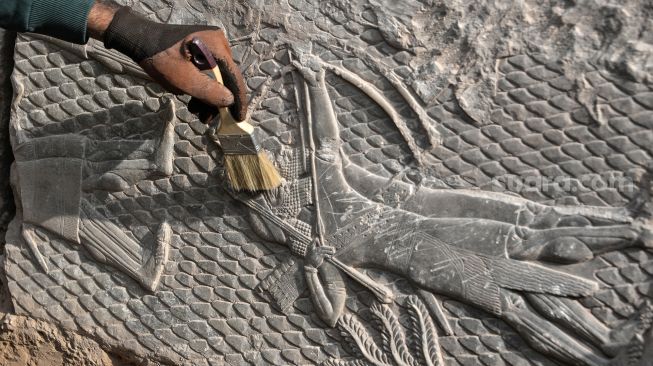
161,50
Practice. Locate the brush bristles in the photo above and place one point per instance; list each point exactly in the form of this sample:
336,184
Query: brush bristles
251,172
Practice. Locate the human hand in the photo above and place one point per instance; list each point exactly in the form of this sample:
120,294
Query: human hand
162,51
317,254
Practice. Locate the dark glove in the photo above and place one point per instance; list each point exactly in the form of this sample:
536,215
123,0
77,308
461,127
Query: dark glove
162,51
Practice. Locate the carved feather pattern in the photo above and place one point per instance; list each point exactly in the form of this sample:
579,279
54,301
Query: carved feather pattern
340,362
356,332
394,340
425,332
395,349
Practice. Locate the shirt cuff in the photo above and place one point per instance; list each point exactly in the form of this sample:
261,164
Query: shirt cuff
63,19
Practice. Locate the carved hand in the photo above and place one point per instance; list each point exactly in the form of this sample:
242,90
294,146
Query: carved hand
162,51
316,254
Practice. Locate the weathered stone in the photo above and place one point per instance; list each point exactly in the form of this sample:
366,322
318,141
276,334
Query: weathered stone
377,113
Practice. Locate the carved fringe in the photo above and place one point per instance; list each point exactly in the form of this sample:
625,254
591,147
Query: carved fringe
523,276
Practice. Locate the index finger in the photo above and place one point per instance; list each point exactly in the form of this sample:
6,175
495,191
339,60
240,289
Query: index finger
233,78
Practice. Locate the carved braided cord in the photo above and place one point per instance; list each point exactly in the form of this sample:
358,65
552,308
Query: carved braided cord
215,266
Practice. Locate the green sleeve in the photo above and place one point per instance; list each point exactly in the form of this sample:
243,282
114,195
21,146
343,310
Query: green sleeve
63,19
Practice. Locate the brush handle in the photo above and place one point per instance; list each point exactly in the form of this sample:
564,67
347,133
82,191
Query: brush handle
203,59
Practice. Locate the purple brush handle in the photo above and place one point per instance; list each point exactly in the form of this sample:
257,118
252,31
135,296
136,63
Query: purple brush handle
203,59
201,56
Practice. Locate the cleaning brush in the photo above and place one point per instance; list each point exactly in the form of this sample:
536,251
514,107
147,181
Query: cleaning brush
248,166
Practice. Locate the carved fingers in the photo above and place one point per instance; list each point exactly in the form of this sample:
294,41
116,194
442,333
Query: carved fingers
325,251
318,253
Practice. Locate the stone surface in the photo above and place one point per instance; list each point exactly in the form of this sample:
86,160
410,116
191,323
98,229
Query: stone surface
25,341
480,169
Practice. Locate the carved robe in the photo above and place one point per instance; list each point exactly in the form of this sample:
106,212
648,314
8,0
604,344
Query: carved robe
50,173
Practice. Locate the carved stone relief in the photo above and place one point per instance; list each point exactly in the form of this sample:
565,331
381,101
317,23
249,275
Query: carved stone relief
454,193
